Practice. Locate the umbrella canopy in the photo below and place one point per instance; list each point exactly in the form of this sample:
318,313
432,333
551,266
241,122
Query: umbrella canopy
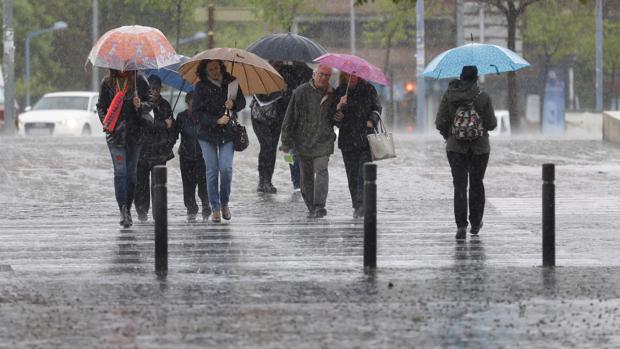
286,47
353,65
254,74
132,47
489,59
169,75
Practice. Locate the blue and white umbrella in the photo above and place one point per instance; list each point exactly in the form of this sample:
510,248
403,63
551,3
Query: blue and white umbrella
169,75
489,59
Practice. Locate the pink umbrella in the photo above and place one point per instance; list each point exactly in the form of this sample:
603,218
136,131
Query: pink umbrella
353,65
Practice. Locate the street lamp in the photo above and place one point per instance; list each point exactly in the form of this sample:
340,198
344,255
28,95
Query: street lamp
57,26
197,36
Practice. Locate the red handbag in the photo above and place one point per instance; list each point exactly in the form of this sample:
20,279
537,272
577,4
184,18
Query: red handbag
114,110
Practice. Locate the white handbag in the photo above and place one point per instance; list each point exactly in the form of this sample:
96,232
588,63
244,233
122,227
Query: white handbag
381,143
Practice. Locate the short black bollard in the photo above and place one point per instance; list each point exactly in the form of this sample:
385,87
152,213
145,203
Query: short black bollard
160,214
370,215
548,236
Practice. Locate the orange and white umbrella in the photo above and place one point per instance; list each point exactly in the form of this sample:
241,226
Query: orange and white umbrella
255,75
133,47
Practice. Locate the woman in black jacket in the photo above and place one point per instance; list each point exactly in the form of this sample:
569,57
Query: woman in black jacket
357,113
215,111
193,172
124,142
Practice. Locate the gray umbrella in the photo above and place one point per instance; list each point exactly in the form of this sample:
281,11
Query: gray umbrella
286,47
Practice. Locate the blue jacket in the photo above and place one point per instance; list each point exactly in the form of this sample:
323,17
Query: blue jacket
208,105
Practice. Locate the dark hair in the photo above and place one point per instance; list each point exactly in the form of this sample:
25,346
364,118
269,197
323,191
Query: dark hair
189,96
201,70
469,73
154,82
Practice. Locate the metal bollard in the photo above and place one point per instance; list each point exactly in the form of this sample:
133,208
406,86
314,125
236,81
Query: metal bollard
160,214
548,236
370,215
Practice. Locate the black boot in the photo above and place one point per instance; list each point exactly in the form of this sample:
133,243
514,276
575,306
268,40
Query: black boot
128,221
261,188
122,216
269,188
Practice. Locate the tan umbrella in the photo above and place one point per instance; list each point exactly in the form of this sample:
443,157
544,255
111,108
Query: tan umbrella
255,75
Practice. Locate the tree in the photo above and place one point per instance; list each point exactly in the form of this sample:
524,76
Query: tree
512,9
279,14
553,31
395,26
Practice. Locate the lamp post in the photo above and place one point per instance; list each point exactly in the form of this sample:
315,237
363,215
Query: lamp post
57,26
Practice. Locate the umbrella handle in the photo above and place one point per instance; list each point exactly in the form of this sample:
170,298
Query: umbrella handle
179,95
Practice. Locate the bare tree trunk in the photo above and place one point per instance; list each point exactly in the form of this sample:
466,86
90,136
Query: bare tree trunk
545,71
513,110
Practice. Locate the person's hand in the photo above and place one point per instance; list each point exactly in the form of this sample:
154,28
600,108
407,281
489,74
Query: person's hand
136,102
342,103
370,124
168,123
338,116
228,104
223,120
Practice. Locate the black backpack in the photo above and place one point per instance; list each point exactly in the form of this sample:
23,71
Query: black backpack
467,124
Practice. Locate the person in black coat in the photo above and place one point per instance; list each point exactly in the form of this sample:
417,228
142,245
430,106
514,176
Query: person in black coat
156,148
358,111
125,141
215,110
193,172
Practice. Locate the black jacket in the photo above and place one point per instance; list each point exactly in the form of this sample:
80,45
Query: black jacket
362,105
208,105
131,122
158,140
459,93
186,126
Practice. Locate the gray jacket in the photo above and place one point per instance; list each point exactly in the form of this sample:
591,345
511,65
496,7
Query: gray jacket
308,124
461,92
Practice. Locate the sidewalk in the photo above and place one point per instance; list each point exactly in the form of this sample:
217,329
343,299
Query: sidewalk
70,278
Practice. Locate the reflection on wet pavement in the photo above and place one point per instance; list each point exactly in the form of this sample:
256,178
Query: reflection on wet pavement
69,277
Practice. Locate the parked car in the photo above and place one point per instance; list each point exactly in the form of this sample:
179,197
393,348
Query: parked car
62,114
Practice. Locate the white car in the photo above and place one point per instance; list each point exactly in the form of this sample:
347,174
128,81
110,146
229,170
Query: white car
62,114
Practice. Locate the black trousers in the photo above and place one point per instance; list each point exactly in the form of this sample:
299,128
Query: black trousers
354,161
268,134
468,167
143,185
194,174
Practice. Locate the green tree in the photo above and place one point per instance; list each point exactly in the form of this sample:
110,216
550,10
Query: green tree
553,31
512,9
279,14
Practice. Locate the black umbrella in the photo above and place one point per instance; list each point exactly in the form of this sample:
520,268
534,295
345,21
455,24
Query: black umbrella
286,47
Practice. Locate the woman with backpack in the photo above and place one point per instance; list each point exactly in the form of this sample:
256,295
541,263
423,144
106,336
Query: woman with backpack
464,118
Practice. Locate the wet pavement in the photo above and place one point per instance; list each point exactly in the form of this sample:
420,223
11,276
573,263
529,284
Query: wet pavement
270,278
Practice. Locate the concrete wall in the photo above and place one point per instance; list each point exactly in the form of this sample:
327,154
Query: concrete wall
611,126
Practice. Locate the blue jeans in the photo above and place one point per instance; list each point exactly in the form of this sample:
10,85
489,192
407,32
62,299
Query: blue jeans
218,160
125,161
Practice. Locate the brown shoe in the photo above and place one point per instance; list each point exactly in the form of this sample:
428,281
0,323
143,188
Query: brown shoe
216,217
226,212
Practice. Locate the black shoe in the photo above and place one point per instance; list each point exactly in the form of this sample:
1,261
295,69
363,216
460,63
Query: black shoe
128,220
269,188
359,212
122,215
191,218
321,212
311,214
261,187
475,229
143,217
461,233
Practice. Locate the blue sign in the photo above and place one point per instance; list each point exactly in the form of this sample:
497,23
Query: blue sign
554,107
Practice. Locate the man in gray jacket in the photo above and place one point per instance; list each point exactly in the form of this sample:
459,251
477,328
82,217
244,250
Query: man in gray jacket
308,128
468,158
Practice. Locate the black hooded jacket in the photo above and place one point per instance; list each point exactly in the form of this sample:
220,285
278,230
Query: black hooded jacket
158,140
362,105
131,121
459,93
